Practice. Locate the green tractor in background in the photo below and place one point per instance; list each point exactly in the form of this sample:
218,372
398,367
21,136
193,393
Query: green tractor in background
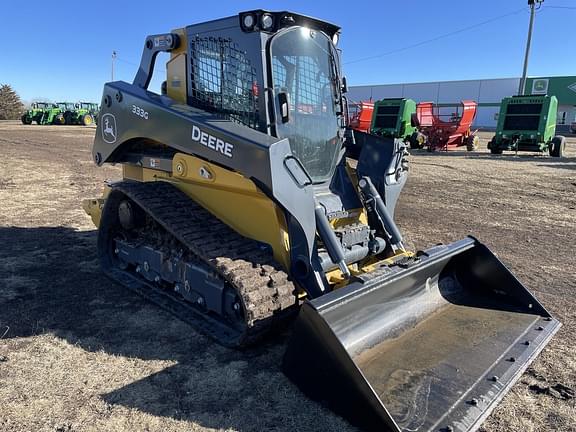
528,123
66,112
81,113
392,118
61,113
86,113
34,114
49,115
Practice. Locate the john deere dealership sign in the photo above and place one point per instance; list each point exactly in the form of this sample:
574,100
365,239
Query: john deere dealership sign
540,86
564,88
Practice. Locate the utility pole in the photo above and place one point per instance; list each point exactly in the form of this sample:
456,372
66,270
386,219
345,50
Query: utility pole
113,60
532,4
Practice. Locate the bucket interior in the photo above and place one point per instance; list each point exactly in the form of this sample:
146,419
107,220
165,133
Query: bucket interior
427,369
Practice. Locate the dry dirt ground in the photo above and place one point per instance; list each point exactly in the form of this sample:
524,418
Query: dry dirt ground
80,354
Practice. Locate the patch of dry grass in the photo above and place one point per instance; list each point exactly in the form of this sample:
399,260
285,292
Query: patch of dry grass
82,355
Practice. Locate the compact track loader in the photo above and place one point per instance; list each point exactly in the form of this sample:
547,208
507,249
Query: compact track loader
237,209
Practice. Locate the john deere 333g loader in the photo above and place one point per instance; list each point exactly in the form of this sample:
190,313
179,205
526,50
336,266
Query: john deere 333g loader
237,209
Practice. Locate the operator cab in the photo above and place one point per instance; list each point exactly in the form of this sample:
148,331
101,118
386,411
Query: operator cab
277,73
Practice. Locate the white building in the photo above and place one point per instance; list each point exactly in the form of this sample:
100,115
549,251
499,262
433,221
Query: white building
487,93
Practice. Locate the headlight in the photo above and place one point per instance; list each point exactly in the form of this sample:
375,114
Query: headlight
267,21
249,21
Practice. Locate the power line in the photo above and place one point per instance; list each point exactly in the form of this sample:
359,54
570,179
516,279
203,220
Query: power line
427,41
126,61
561,7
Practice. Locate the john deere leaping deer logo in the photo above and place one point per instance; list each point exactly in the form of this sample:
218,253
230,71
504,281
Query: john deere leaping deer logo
540,86
109,128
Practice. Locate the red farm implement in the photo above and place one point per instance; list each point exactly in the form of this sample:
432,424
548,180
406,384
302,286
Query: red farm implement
447,131
361,116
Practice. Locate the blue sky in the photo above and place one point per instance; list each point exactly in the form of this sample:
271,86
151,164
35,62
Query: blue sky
64,53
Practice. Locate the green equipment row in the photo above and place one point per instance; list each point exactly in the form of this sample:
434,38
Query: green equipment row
61,113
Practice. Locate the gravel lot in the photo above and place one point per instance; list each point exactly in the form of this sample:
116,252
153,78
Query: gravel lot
77,353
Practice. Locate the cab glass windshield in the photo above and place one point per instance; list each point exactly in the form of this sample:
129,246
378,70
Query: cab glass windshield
303,67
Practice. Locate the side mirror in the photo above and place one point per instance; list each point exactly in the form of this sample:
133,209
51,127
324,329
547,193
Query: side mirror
414,120
344,85
284,104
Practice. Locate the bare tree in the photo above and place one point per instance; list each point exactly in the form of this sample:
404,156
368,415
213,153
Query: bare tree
11,105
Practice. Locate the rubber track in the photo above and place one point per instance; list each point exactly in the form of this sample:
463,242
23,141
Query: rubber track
266,292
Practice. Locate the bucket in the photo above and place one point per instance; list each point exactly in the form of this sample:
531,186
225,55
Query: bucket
428,346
